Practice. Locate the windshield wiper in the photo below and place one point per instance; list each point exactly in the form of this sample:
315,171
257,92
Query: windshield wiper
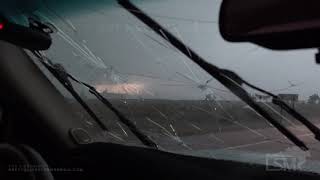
58,71
133,128
283,105
225,77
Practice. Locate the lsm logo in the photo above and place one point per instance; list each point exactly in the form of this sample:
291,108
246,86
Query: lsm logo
292,159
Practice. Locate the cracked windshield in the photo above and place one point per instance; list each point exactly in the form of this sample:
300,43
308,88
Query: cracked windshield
166,98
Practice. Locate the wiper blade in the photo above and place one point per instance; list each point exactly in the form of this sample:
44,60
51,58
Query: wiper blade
230,83
58,71
279,102
133,128
63,77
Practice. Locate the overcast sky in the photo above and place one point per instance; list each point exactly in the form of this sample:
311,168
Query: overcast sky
99,39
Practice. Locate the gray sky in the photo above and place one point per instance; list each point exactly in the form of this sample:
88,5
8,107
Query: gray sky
125,45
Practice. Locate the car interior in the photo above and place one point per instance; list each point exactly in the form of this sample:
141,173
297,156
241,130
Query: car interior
39,130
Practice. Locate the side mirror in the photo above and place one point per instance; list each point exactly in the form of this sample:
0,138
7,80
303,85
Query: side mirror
274,24
25,37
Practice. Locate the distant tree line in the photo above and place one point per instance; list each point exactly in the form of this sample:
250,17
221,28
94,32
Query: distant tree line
314,99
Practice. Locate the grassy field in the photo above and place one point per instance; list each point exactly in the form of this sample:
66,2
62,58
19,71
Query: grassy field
187,118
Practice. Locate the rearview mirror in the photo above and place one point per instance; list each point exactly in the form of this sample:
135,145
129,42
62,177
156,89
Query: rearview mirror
274,24
25,37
